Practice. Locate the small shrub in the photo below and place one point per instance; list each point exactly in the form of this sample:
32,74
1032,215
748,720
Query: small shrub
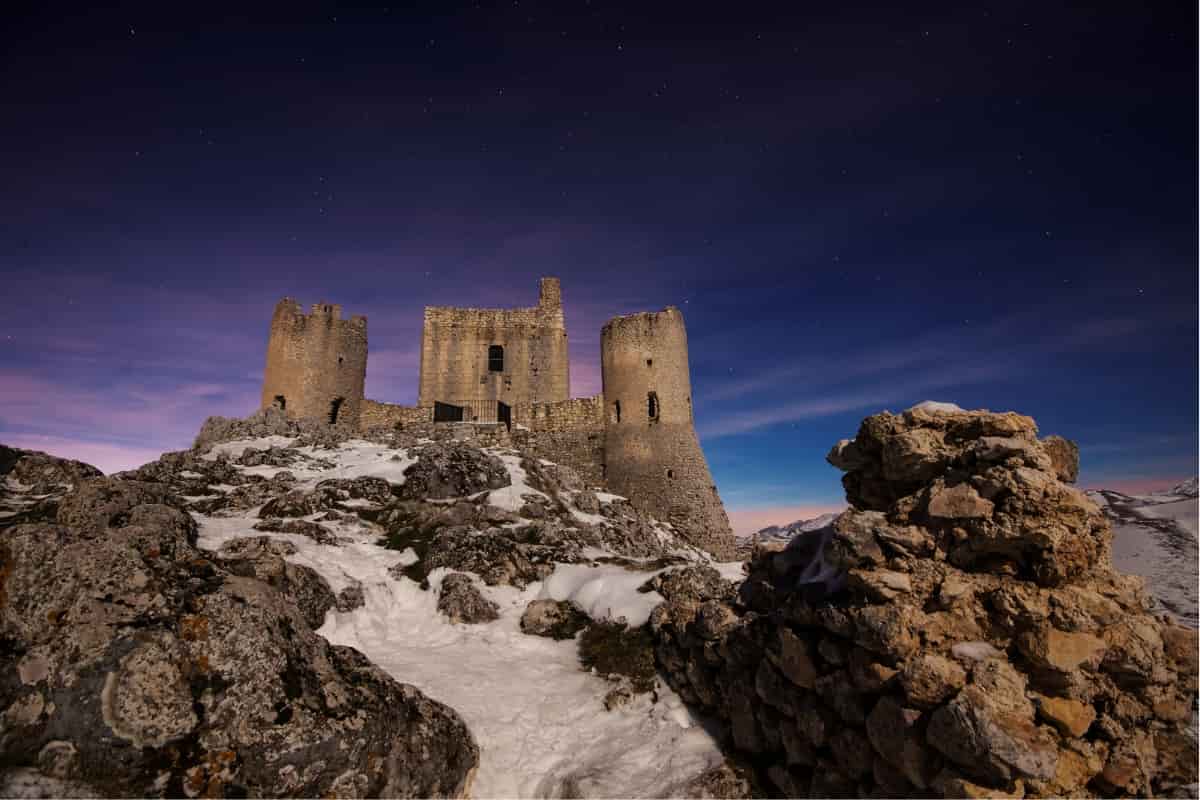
613,648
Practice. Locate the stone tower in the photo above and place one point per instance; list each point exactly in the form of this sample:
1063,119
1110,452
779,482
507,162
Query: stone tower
652,454
476,357
316,363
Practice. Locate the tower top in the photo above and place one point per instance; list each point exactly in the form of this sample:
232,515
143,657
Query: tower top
551,293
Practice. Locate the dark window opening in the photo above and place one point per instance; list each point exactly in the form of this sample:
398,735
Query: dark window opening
340,360
495,358
617,410
334,408
652,405
670,473
649,362
280,402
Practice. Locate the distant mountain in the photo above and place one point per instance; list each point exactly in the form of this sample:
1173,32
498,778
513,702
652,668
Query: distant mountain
781,533
1186,489
786,532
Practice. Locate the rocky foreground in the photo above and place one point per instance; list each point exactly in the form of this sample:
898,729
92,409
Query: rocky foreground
296,609
291,610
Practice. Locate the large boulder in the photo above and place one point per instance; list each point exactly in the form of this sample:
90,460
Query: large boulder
143,667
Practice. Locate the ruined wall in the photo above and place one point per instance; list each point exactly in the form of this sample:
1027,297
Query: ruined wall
570,432
315,361
652,455
373,414
959,632
454,353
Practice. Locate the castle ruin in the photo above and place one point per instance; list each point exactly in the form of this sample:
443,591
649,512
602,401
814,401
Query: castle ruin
510,367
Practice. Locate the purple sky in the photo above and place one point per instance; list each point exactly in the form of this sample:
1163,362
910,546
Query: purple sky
855,208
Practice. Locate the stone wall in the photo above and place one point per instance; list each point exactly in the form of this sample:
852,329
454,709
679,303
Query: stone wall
570,432
454,353
652,453
316,362
373,414
958,632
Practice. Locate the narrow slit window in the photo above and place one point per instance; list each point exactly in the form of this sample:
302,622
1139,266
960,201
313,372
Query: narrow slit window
334,409
495,358
617,410
652,405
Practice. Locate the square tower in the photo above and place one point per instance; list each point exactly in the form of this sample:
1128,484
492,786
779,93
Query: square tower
476,358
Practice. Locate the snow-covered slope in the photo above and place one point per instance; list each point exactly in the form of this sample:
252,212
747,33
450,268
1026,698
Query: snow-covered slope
538,718
1155,536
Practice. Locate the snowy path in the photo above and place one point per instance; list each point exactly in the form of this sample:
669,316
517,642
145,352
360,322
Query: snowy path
537,717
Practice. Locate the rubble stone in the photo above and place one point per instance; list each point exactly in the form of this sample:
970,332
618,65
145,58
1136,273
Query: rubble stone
959,631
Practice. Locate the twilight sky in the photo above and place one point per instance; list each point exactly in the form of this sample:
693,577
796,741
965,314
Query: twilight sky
856,208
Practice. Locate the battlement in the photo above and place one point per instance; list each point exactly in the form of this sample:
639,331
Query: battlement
289,311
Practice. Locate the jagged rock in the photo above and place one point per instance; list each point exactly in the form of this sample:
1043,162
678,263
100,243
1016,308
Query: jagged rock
145,668
350,598
1064,457
897,735
958,502
1071,717
461,601
729,781
452,469
985,739
558,619
265,559
929,680
1050,648
43,473
313,530
511,556
326,495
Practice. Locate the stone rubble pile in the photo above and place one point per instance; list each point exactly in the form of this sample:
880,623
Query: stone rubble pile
960,631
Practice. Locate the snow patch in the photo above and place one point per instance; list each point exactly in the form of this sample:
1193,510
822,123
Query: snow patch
937,407
509,498
603,591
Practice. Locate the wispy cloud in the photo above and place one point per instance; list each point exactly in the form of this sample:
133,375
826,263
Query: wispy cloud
871,398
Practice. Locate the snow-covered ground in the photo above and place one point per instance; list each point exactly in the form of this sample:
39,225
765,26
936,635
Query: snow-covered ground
1155,536
537,716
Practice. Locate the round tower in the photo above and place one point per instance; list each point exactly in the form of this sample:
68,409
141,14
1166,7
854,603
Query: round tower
316,363
652,454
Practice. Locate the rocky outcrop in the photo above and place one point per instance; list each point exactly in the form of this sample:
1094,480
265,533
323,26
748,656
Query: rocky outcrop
960,631
461,601
143,666
452,469
557,619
